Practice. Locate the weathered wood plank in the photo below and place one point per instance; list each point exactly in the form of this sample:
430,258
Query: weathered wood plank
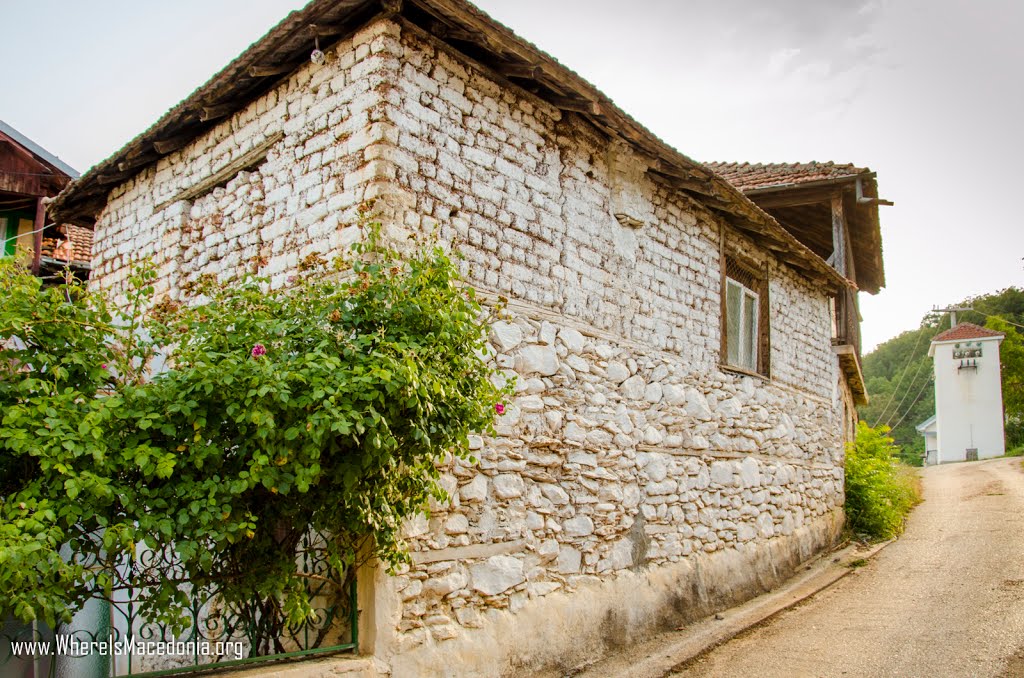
115,178
267,71
838,234
525,71
213,112
576,105
137,161
171,144
225,174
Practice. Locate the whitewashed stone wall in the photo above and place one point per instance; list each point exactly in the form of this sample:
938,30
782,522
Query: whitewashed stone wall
297,202
627,449
627,445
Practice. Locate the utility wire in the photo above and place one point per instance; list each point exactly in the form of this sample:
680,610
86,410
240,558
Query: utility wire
993,315
903,373
920,393
22,235
910,388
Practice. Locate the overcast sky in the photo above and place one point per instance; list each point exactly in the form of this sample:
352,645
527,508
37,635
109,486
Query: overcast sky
927,93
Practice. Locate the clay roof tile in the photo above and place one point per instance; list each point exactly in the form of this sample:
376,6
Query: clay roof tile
965,331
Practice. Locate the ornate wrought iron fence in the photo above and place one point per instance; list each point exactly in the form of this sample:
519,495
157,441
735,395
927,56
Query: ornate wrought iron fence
110,637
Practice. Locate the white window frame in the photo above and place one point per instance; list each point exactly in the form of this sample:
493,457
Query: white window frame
749,345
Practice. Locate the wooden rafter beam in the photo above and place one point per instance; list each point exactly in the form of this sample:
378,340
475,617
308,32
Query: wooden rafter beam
577,105
326,30
214,112
115,178
524,71
462,35
267,71
171,144
443,31
794,197
681,178
137,161
224,174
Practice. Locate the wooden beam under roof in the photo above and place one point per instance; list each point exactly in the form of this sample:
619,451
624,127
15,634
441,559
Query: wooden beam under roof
114,178
326,30
267,71
214,112
794,197
139,160
171,144
243,162
576,105
522,71
681,178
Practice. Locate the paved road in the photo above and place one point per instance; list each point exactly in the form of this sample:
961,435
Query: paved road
947,599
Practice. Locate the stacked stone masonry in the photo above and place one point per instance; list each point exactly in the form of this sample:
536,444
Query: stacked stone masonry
627,445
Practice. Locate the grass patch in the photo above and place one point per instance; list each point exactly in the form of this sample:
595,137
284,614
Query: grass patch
1016,451
859,562
880,491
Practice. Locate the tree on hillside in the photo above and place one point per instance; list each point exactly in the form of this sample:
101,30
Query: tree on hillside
899,373
1011,357
899,381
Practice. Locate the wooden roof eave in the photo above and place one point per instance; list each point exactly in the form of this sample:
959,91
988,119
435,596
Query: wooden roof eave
820,183
865,226
226,92
453,21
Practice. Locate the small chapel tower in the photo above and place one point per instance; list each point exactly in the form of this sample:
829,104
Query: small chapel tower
968,395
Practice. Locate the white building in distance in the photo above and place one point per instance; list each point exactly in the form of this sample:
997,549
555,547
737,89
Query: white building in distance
968,422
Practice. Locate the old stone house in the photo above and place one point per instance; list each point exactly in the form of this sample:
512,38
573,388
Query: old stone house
687,372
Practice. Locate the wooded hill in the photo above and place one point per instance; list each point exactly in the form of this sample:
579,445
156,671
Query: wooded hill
900,380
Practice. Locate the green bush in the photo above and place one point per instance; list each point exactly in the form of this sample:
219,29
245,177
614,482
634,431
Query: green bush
880,491
224,429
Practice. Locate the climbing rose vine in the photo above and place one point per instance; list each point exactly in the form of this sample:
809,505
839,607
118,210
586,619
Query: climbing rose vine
224,429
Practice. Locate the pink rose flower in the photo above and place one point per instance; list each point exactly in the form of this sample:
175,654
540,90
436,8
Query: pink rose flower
499,408
258,350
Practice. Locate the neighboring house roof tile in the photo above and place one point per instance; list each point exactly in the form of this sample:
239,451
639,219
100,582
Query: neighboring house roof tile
77,246
965,331
750,176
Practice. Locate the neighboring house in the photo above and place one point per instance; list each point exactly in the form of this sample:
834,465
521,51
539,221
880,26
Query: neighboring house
676,442
968,421
833,209
29,174
929,430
